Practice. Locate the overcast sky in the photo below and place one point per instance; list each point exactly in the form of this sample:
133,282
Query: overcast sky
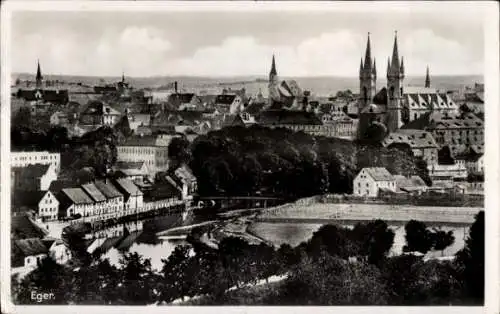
241,43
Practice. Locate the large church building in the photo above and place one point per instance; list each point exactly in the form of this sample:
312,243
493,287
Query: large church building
395,104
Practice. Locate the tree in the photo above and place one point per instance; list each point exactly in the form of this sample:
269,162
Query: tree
442,239
470,260
179,151
422,170
48,277
136,285
175,271
374,239
418,237
22,118
445,157
411,281
328,280
375,133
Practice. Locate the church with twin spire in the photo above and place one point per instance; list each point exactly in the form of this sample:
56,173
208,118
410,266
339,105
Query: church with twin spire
395,104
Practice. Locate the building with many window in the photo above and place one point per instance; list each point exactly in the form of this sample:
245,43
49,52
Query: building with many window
23,159
421,143
151,149
73,202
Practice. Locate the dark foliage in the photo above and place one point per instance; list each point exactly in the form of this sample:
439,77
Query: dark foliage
445,157
471,261
279,162
418,237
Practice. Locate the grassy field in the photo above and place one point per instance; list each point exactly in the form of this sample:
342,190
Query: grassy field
374,211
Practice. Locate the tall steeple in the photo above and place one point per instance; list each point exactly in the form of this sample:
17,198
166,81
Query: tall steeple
367,78
123,77
368,56
402,67
273,73
395,77
427,79
39,77
395,65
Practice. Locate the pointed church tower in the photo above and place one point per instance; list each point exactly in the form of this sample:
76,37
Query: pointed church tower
427,79
367,78
39,77
395,76
273,74
273,94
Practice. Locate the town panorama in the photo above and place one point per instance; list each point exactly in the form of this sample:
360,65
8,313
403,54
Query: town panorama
262,191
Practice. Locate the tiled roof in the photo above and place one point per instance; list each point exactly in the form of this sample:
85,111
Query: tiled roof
31,199
414,138
128,187
254,108
94,192
373,108
99,108
225,99
53,96
108,189
293,87
146,140
379,174
58,185
77,196
23,227
129,165
187,117
178,99
411,182
286,117
32,171
161,192
30,247
436,120
185,173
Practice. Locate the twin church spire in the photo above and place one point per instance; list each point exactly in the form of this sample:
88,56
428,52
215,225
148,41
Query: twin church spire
395,67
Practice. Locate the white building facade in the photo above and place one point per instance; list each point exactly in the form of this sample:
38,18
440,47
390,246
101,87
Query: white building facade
22,159
370,180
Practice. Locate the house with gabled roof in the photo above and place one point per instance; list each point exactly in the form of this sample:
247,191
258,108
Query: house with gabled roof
113,195
411,184
74,202
98,113
370,181
37,177
421,143
43,204
100,201
133,196
27,253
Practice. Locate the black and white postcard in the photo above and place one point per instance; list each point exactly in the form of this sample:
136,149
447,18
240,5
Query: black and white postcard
179,154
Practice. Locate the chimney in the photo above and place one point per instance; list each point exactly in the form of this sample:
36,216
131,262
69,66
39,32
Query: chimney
175,86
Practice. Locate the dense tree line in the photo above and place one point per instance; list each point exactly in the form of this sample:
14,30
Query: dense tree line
247,161
336,266
95,150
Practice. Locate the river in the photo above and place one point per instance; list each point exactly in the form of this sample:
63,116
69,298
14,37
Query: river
163,234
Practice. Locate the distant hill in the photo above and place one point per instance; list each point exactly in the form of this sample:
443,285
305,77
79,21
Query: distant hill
320,86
